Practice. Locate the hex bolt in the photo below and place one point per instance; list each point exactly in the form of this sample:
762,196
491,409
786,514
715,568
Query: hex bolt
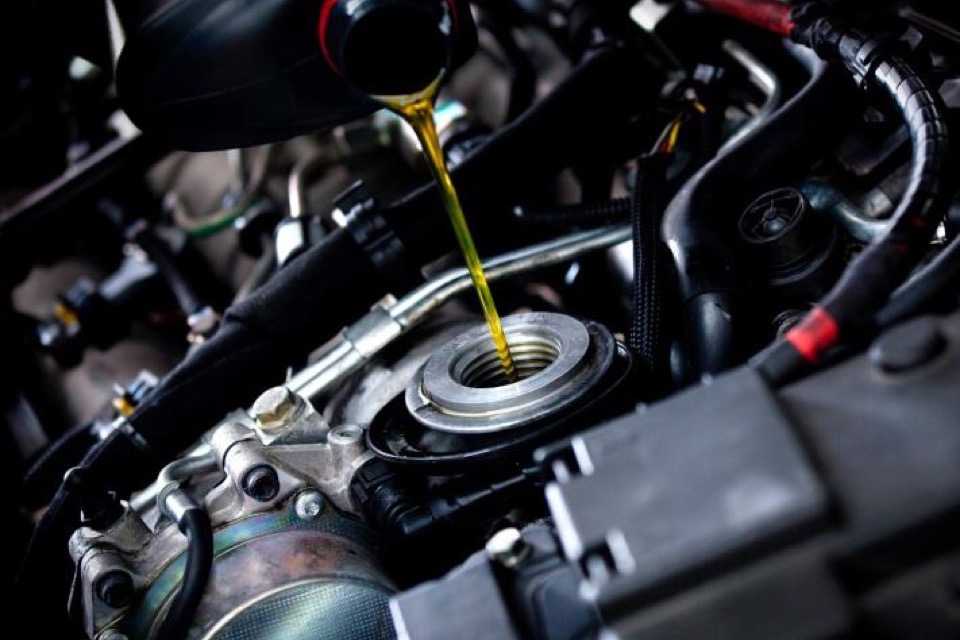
507,547
276,408
115,588
309,505
261,483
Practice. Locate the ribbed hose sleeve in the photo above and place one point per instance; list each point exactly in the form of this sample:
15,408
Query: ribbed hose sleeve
585,214
869,282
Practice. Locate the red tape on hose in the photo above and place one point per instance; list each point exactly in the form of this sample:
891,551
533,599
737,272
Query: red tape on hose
817,333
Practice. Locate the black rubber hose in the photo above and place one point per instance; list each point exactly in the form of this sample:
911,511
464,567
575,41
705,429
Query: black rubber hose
46,471
259,338
941,276
44,571
195,525
184,292
584,214
646,330
868,283
698,221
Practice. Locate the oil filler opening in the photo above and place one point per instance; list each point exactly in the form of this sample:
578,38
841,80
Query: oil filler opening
533,351
462,387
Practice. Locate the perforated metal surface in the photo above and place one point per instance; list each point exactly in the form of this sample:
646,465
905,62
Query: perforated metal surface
315,610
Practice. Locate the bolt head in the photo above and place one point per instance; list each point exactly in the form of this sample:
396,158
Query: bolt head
309,505
261,483
276,408
115,588
507,547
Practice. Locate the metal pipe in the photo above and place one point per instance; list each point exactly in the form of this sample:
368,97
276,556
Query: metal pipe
297,183
827,198
764,79
389,320
200,461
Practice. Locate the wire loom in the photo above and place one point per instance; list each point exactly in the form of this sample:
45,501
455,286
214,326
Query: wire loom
868,284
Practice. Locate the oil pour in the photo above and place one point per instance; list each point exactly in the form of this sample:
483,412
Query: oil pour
417,110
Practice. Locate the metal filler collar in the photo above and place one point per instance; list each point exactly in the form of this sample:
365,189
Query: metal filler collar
461,389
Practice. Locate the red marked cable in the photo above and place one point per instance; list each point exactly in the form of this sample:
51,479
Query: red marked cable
770,14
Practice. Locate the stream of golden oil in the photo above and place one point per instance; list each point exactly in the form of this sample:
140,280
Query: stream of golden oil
417,110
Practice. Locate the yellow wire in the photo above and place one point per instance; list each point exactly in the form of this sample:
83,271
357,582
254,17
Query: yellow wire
673,136
673,129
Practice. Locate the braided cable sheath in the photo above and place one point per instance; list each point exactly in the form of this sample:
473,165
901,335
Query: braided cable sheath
595,214
646,330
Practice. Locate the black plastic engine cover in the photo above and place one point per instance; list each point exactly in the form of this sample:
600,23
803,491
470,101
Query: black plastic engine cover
218,74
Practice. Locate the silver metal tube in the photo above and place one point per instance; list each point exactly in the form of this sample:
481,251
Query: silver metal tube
176,473
297,183
201,461
764,79
827,198
185,468
357,344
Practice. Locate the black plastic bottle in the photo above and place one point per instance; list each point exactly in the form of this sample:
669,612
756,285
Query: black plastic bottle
218,74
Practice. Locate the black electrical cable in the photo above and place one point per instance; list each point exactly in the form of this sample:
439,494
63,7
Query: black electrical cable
869,282
646,330
45,561
584,214
195,525
941,275
46,471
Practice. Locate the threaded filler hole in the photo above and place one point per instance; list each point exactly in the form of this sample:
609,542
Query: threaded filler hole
531,355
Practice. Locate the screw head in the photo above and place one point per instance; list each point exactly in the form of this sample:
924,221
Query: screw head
261,483
309,505
507,547
276,408
115,588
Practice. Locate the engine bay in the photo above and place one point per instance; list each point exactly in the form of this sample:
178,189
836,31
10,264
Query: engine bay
249,385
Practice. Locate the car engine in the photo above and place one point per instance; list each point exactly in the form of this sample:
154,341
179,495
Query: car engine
248,390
